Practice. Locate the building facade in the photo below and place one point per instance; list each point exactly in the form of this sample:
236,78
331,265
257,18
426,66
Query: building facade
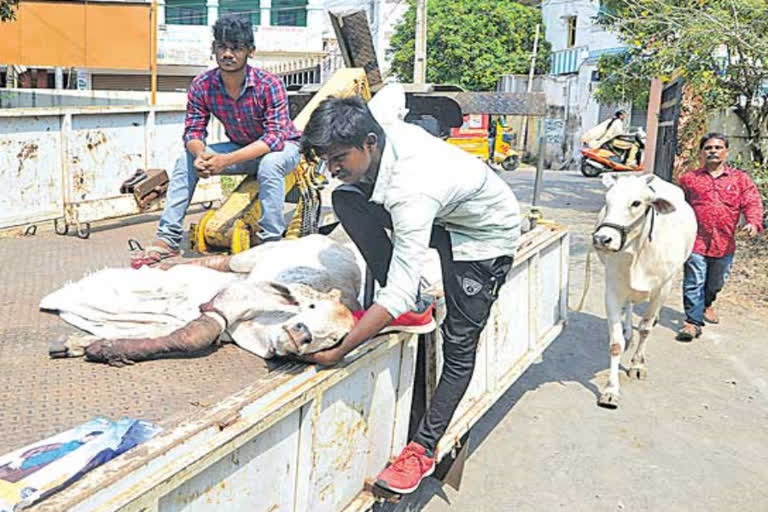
577,42
293,38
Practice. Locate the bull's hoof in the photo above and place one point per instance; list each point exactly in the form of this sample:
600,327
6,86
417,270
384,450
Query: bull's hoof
58,348
609,400
638,373
103,351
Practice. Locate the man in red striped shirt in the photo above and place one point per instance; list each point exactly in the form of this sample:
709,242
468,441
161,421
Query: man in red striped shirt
719,195
252,105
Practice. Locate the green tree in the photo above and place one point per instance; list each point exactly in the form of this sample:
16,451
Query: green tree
8,9
470,42
719,46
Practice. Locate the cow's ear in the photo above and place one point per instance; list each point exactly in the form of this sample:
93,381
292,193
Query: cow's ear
284,292
661,205
335,294
609,180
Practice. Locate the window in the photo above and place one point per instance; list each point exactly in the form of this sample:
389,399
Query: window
186,12
292,13
570,23
249,8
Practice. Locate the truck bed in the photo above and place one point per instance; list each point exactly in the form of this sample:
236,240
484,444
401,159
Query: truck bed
43,396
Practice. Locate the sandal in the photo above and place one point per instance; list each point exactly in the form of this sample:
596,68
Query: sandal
150,256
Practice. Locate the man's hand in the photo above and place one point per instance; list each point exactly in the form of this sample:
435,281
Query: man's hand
324,357
750,229
201,164
216,164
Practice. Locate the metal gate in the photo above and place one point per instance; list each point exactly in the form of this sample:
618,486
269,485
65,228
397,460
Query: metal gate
669,114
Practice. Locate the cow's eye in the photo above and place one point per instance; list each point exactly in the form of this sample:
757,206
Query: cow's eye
311,306
635,204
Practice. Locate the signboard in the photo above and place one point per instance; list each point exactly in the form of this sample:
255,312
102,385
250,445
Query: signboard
74,34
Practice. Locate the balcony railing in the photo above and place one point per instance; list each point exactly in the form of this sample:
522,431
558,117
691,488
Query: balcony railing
568,61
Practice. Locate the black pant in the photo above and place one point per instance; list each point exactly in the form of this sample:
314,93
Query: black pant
470,288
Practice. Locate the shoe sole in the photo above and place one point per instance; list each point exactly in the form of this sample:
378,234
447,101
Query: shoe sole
713,322
383,484
413,329
687,337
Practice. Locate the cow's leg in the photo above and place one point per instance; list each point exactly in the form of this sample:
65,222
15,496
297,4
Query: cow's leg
72,345
638,369
216,262
626,326
613,308
196,335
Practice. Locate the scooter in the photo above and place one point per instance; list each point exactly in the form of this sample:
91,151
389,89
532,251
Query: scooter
610,157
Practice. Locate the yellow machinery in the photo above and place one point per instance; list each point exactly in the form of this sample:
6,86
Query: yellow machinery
232,226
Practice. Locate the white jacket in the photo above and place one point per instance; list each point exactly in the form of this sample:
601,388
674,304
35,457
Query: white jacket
423,179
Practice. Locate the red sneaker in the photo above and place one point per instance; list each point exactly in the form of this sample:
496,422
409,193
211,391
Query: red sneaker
412,321
407,471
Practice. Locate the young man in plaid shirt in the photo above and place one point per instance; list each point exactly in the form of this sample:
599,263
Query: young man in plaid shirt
253,107
719,195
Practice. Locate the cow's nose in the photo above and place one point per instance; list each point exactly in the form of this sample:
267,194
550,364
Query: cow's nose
602,240
306,334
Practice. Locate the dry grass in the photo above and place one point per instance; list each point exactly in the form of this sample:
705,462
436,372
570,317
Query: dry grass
748,285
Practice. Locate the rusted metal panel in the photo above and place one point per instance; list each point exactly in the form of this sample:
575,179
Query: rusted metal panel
30,176
259,475
70,161
356,44
104,151
350,426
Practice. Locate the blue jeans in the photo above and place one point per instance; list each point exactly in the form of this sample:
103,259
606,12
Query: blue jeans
704,277
270,170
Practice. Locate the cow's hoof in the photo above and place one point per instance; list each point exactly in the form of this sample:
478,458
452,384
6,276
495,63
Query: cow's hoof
608,400
58,348
638,373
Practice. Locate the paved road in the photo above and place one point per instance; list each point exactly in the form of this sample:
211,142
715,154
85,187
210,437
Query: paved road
692,437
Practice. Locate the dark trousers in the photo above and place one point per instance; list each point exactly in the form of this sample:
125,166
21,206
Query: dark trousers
470,288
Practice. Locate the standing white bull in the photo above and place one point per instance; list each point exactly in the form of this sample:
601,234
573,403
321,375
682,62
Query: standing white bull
287,297
644,235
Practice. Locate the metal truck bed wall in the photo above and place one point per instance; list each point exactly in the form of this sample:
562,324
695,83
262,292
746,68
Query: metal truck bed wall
306,439
70,161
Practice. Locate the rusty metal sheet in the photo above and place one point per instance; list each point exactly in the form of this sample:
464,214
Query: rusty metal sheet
356,44
347,435
30,170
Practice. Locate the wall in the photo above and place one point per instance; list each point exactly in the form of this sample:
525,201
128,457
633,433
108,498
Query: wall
572,92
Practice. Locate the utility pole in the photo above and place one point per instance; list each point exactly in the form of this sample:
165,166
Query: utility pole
420,54
153,53
522,140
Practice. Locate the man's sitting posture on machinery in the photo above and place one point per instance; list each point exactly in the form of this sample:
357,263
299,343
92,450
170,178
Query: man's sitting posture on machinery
428,193
253,107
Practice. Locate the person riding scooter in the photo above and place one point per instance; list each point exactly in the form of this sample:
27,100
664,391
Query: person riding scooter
605,131
623,152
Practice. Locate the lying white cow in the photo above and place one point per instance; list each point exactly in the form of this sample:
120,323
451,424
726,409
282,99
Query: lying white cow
288,297
644,234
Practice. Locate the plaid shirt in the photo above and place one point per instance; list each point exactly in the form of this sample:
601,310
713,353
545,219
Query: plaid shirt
718,202
260,113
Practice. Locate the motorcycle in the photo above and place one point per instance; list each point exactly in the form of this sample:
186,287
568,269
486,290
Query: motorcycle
614,155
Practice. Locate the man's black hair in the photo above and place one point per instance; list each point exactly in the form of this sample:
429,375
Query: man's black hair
713,135
234,28
338,122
